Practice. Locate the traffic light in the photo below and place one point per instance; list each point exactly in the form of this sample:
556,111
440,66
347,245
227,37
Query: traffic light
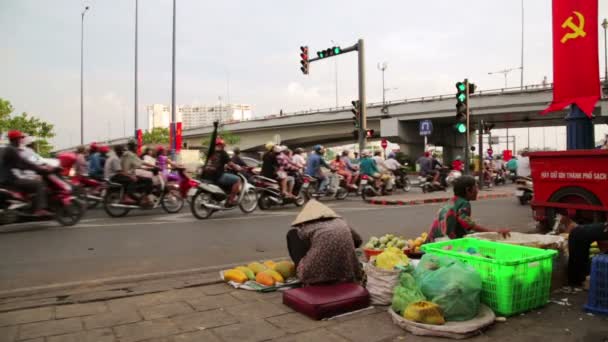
487,127
463,92
335,50
356,135
304,59
369,133
356,113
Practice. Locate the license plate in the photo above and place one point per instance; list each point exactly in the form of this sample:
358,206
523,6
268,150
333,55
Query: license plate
363,181
191,192
519,193
305,185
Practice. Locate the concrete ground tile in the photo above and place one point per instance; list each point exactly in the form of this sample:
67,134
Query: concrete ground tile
255,310
164,310
94,296
49,328
312,336
213,302
189,293
204,320
295,323
252,331
8,334
145,330
39,339
75,310
121,304
197,336
110,319
28,304
369,328
279,301
217,289
249,296
26,316
156,285
97,335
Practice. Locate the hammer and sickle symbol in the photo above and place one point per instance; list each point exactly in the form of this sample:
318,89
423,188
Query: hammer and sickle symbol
576,30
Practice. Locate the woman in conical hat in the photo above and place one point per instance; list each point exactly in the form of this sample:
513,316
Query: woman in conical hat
322,245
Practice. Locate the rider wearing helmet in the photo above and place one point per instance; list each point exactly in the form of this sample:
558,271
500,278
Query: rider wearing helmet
215,171
130,162
10,160
272,169
313,167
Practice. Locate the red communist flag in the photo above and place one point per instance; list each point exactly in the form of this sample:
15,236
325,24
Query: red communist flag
575,55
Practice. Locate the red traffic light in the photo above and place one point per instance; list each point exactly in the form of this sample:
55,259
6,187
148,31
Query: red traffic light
304,59
369,133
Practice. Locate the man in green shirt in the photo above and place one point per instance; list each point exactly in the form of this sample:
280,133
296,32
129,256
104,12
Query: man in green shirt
454,220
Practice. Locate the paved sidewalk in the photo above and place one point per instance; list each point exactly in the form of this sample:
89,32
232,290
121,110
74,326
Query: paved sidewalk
198,308
416,196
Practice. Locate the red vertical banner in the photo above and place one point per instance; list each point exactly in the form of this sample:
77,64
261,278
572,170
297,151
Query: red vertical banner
172,137
575,55
178,137
140,140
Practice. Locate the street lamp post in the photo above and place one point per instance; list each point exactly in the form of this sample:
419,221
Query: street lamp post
605,26
173,116
82,74
382,67
336,73
135,76
521,82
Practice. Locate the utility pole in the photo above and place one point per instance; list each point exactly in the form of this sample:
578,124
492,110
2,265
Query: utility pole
82,74
467,143
173,116
136,104
363,123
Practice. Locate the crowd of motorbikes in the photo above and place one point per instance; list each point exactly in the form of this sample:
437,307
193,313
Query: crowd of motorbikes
70,196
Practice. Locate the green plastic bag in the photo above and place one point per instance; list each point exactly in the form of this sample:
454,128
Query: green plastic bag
451,284
406,292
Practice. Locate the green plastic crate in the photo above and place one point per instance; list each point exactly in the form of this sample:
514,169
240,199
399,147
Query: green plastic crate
514,278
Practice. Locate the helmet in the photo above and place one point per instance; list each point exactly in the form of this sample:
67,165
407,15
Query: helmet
317,148
427,154
93,147
236,150
15,134
160,149
220,141
269,145
366,153
392,155
299,150
104,149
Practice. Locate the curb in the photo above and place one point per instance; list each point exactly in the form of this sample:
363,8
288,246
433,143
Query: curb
432,200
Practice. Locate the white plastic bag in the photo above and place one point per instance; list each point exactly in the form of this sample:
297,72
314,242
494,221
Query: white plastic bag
380,284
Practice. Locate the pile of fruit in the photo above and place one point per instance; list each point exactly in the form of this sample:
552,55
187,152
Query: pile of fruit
390,240
268,273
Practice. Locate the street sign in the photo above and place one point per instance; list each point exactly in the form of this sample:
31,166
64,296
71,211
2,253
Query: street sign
384,143
426,127
495,140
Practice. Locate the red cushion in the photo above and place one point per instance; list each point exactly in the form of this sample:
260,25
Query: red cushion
324,301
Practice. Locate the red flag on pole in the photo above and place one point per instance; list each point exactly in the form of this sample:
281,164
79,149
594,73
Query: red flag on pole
140,140
178,137
575,55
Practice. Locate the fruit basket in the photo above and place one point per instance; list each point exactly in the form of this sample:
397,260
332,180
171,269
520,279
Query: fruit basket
410,247
514,278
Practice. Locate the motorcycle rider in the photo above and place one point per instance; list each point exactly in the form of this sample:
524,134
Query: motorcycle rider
426,167
130,162
9,160
95,167
114,173
272,169
298,159
457,164
350,169
215,171
287,167
368,167
314,164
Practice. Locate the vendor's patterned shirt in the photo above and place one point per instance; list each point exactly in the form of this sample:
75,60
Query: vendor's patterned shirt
453,220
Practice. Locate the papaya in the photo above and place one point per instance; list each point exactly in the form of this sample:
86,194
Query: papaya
235,275
269,263
275,275
256,267
424,312
287,269
248,272
265,279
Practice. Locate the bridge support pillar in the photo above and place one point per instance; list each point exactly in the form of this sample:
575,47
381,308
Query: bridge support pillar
580,130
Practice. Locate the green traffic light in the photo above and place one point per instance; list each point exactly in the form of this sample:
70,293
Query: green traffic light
461,127
460,86
461,97
337,50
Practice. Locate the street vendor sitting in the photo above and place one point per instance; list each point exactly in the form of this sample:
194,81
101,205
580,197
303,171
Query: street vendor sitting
322,245
454,220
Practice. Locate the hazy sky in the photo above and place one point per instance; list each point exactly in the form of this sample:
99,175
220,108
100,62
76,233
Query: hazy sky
248,51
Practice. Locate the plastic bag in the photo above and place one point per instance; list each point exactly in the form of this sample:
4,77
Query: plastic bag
451,284
406,292
390,258
380,284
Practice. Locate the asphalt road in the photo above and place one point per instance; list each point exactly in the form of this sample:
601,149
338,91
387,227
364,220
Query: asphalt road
145,242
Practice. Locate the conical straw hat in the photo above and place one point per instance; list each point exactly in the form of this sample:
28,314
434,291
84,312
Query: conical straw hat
314,210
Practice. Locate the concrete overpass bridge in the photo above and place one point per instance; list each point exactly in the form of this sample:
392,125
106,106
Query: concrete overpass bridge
506,108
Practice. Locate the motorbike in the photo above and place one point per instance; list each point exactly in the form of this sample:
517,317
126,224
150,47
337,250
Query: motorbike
452,176
89,190
427,183
401,180
311,185
499,178
167,196
208,198
66,208
524,191
370,189
269,192
183,182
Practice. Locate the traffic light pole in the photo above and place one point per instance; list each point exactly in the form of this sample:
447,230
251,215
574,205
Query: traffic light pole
480,137
363,105
467,160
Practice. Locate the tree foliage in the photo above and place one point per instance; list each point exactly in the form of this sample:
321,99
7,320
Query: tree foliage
40,130
158,135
